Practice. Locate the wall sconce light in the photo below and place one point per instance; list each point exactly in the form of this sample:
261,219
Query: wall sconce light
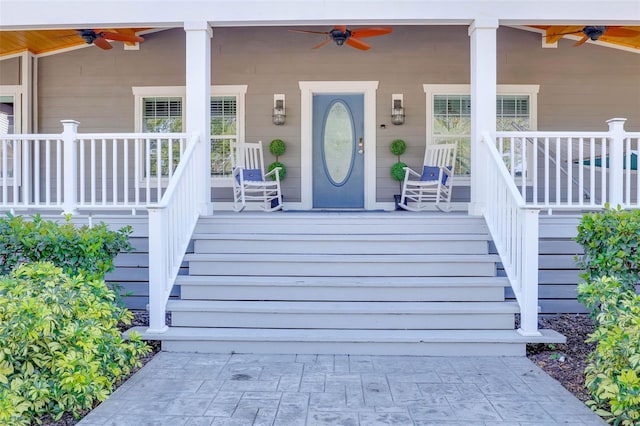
397,110
278,115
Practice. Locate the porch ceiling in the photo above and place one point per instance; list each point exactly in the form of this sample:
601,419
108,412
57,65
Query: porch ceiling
553,33
47,41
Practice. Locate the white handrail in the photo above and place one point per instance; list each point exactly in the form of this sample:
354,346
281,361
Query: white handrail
74,171
514,230
565,165
171,224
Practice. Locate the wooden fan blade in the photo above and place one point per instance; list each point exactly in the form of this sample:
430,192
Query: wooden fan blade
341,28
582,41
358,44
121,37
620,32
309,32
370,32
319,45
102,43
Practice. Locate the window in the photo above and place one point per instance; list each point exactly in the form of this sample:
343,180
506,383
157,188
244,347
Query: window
161,109
9,124
449,115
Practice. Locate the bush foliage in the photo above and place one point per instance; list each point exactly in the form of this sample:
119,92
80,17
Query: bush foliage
613,371
610,240
72,248
60,347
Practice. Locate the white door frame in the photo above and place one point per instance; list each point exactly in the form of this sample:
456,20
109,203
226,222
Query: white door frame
307,90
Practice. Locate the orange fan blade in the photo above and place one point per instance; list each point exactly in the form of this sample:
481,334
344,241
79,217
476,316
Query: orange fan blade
309,32
582,41
370,32
102,43
321,44
358,44
341,28
620,32
121,37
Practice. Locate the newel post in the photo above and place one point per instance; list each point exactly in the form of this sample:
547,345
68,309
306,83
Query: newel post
616,161
158,294
70,168
529,278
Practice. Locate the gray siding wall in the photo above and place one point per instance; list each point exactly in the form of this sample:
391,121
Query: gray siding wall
580,88
10,71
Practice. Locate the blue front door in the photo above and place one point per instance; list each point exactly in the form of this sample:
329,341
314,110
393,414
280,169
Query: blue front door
338,151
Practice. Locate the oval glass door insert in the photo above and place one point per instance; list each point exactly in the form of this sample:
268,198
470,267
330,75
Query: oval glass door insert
338,143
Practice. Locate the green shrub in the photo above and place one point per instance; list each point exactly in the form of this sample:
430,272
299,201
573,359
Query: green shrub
61,350
398,147
613,371
397,171
72,248
610,240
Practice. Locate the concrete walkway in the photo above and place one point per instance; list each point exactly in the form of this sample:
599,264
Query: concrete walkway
222,389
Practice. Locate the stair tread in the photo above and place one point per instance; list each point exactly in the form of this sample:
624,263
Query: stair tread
337,307
342,258
314,281
345,335
324,236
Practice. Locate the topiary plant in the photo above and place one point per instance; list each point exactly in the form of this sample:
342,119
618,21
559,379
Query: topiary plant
397,148
277,147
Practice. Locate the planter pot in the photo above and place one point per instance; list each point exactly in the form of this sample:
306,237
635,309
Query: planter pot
397,198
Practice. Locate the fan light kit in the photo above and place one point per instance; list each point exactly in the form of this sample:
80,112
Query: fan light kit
341,35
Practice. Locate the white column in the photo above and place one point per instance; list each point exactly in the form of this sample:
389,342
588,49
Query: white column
483,101
198,98
70,166
616,161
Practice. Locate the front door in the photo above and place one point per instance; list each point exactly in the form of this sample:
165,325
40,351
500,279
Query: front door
338,151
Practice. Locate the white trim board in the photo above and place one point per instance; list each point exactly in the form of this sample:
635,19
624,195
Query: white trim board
307,90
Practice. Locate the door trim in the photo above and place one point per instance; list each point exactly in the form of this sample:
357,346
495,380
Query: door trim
307,90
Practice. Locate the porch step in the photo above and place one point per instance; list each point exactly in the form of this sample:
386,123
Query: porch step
405,265
342,223
344,283
343,315
341,243
349,342
409,289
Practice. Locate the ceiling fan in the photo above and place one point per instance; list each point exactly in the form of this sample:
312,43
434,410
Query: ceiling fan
595,32
341,35
101,38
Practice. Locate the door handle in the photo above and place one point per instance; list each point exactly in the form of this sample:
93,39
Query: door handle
360,146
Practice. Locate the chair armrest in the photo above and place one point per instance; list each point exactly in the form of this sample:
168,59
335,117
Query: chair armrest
410,172
276,171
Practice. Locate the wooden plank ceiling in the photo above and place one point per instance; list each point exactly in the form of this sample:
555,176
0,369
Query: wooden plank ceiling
626,36
46,41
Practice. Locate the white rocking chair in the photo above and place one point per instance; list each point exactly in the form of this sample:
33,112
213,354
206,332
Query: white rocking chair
250,182
435,182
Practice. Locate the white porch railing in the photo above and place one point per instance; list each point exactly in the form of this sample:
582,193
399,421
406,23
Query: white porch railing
574,170
90,172
171,224
514,229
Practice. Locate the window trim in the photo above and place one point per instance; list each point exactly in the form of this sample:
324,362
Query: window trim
432,90
16,92
237,90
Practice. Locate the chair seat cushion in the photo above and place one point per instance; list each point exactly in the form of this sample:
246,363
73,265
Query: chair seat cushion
250,174
431,173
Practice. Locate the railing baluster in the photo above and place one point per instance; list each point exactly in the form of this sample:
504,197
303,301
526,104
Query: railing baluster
103,174
569,171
